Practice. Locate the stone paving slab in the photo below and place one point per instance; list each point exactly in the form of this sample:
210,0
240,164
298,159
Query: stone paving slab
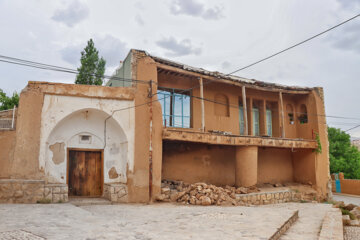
332,226
19,235
351,233
311,216
128,221
346,198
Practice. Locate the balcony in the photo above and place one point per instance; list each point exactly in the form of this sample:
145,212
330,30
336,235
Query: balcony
189,135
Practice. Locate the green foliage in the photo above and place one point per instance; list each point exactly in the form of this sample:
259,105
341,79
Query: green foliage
92,69
344,211
319,147
8,102
343,156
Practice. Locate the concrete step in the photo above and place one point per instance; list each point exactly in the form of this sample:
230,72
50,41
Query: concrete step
287,224
310,221
84,201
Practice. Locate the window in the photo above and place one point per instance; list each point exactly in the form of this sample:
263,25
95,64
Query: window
256,126
303,116
268,122
290,113
241,119
221,105
175,105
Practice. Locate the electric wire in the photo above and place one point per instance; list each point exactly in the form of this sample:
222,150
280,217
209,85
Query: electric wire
352,128
23,62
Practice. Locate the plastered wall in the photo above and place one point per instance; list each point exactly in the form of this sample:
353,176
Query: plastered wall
199,163
66,118
7,146
275,165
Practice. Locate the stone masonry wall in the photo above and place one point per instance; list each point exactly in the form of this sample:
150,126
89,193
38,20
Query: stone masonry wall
31,191
116,192
56,192
262,198
21,191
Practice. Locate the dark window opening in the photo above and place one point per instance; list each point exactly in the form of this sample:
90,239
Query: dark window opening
290,113
303,116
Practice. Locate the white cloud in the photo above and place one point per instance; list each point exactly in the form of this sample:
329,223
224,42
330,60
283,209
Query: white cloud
178,48
139,20
73,14
110,48
195,9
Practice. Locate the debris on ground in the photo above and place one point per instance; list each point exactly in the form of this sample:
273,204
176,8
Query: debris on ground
201,193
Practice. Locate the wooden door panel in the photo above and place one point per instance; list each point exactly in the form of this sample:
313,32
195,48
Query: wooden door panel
85,173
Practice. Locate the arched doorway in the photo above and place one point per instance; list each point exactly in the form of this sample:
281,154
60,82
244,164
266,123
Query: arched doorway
83,154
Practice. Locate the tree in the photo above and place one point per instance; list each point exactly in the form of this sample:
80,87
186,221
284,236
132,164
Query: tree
343,156
92,69
8,102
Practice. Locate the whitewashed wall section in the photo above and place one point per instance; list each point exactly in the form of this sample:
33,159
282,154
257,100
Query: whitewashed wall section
65,119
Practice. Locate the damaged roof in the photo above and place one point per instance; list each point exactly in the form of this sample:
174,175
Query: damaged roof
220,76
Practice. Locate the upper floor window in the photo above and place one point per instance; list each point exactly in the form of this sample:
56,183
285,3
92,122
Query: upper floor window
303,116
221,105
290,113
269,122
175,105
241,119
256,117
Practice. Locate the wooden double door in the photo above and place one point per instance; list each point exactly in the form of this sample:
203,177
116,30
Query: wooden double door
85,172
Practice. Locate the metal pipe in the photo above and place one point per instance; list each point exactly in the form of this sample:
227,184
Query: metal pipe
13,117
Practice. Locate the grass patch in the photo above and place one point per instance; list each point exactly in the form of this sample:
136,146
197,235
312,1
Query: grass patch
303,201
347,212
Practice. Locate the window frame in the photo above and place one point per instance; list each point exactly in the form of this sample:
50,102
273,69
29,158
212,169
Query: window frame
173,93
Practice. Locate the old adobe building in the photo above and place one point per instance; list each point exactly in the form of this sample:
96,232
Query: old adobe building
176,123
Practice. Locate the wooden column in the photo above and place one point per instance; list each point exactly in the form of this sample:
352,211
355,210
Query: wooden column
282,121
202,105
246,131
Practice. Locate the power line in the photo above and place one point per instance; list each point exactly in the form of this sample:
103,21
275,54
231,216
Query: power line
33,64
284,50
23,62
352,128
295,45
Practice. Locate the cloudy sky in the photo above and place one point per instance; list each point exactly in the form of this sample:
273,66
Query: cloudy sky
215,35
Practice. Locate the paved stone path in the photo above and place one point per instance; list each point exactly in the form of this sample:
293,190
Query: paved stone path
19,235
347,198
351,233
308,225
128,221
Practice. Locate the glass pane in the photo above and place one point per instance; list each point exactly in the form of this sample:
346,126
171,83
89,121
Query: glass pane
269,122
177,121
164,99
256,129
186,122
241,120
186,104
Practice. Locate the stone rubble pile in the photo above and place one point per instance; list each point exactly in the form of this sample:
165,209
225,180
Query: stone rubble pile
351,213
200,193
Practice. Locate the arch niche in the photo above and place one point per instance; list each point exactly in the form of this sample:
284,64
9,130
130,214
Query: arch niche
85,130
